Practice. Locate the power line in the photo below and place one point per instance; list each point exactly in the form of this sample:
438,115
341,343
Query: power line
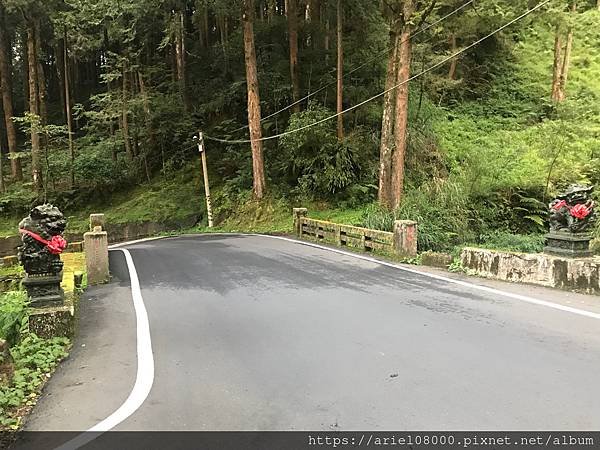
369,61
435,66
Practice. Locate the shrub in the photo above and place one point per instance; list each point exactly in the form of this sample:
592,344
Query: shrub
17,200
13,311
503,240
317,165
33,359
440,209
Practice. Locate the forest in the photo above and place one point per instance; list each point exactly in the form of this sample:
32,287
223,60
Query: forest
466,116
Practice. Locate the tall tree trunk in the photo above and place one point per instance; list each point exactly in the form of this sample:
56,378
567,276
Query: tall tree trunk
42,91
315,10
327,42
340,72
562,58
271,10
258,168
67,97
36,161
564,74
181,59
223,33
401,123
146,102
59,51
2,189
387,124
557,68
454,61
293,37
7,99
151,146
125,114
42,99
25,79
206,26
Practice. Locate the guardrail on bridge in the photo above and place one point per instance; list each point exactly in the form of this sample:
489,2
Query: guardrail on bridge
402,242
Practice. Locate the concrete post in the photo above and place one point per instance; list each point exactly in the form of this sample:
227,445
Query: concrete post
405,238
299,213
95,243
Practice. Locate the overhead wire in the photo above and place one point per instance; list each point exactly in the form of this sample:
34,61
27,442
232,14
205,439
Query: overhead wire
366,63
381,94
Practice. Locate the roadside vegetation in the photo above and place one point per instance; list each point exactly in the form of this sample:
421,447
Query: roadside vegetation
26,361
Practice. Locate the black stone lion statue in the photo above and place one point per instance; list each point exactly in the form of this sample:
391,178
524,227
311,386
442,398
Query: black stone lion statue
41,233
573,211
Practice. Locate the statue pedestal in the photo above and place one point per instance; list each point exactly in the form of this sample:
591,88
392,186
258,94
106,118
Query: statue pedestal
572,245
44,290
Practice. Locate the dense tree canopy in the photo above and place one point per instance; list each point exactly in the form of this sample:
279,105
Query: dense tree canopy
102,96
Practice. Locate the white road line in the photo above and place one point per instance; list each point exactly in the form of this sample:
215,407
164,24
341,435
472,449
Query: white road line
145,368
523,298
137,241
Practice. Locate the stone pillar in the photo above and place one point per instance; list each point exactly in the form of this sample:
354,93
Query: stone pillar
95,243
299,213
405,238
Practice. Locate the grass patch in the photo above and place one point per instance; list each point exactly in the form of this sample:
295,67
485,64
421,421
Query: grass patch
28,363
504,241
274,216
167,198
11,271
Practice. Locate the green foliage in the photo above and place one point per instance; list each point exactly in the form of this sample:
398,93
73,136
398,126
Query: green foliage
440,209
525,243
13,311
33,359
317,165
17,200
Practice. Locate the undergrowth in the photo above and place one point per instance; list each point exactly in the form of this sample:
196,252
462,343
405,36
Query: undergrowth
29,362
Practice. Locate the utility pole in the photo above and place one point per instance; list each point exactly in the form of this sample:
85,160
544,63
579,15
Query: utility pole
202,151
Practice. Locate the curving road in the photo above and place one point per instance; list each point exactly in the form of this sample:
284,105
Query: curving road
258,333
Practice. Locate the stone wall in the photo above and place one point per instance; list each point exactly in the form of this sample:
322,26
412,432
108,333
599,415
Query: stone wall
574,274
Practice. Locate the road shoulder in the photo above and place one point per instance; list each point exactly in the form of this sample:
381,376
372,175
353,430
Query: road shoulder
100,372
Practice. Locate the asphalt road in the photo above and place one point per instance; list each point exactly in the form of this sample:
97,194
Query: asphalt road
255,333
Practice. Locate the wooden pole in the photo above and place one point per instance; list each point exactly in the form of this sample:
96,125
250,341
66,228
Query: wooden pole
202,151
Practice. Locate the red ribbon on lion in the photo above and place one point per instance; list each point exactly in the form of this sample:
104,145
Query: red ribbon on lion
56,245
581,211
578,211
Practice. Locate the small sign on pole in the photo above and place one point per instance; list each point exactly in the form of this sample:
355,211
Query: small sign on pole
202,151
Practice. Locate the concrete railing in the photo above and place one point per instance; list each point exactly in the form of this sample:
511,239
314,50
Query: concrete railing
402,242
